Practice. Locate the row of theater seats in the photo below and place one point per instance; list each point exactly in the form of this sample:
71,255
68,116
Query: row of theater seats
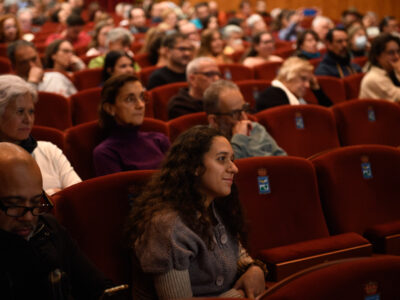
82,107
299,212
302,130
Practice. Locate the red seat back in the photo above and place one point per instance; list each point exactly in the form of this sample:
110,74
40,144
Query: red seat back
267,70
53,110
301,130
42,133
5,65
333,87
235,71
352,85
178,125
88,78
84,105
145,73
251,88
143,60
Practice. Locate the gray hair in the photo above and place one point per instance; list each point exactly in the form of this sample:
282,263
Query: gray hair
194,65
212,93
119,34
229,29
12,87
320,19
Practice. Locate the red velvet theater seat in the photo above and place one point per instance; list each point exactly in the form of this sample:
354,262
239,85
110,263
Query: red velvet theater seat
94,213
145,73
286,225
359,188
48,134
88,78
267,70
368,122
301,130
53,110
333,87
352,85
350,279
178,125
82,139
235,72
84,105
251,88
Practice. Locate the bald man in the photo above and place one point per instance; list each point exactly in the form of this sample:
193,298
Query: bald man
33,246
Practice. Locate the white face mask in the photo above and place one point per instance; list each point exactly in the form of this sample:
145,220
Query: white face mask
237,42
361,42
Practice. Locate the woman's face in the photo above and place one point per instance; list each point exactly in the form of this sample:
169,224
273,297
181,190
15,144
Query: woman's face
217,45
101,38
213,23
129,106
390,56
62,58
124,65
10,30
17,120
300,83
309,44
219,170
266,45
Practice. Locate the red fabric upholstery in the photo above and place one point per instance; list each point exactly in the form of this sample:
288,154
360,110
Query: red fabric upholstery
136,46
343,279
94,213
360,60
145,73
178,125
267,71
315,62
42,133
88,78
288,223
385,237
5,65
284,52
333,87
82,139
352,85
351,201
237,71
251,88
84,105
143,60
160,97
319,133
53,110
355,127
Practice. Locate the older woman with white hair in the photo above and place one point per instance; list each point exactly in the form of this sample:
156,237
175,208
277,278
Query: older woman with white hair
17,114
294,78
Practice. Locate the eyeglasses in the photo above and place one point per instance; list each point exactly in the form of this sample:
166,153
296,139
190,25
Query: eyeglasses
131,98
393,52
17,211
210,74
237,113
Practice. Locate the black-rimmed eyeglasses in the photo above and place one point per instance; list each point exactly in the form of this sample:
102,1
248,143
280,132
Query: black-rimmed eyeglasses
17,211
237,113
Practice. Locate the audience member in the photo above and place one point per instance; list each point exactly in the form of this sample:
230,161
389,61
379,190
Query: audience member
227,111
121,114
137,20
98,44
9,29
214,10
321,25
200,73
27,64
370,23
17,107
179,52
358,40
255,24
294,78
389,24
233,38
212,46
245,10
350,17
261,8
382,81
291,25
39,260
262,47
60,57
337,61
24,17
116,63
190,30
202,12
176,225
307,45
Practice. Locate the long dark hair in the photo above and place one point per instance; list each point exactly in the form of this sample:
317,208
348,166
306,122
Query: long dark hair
378,46
50,51
176,188
110,61
255,40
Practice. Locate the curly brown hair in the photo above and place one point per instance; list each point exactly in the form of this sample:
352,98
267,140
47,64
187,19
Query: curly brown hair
176,187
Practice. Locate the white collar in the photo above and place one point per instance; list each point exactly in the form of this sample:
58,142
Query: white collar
292,98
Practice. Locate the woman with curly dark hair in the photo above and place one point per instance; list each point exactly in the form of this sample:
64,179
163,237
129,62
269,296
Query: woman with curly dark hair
212,46
186,228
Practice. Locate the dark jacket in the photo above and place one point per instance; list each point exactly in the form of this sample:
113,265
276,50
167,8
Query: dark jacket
164,76
333,65
26,265
274,96
183,104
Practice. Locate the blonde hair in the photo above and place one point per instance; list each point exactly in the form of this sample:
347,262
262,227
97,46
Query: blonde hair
292,67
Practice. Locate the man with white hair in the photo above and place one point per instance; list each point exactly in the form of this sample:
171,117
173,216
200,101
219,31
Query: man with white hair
256,24
321,25
200,73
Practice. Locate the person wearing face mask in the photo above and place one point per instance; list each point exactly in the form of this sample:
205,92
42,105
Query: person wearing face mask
358,41
382,81
307,45
233,37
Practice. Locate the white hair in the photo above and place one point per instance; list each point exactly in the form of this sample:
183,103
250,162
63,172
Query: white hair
253,19
320,19
194,65
119,34
12,87
229,29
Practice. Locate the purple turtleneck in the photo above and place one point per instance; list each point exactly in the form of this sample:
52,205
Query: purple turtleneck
127,148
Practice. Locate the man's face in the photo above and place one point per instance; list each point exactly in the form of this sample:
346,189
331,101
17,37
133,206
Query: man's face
206,74
339,43
189,29
73,33
20,185
393,26
202,12
231,103
138,18
25,58
182,53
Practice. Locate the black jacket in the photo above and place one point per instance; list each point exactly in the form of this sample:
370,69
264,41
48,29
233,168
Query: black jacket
26,265
182,104
333,65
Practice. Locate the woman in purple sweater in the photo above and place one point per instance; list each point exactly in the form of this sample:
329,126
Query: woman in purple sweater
120,115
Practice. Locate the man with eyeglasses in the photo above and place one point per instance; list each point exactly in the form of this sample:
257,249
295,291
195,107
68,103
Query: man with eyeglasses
200,73
180,52
33,246
227,111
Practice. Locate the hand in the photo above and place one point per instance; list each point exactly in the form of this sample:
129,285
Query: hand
251,282
242,127
396,66
314,85
35,74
